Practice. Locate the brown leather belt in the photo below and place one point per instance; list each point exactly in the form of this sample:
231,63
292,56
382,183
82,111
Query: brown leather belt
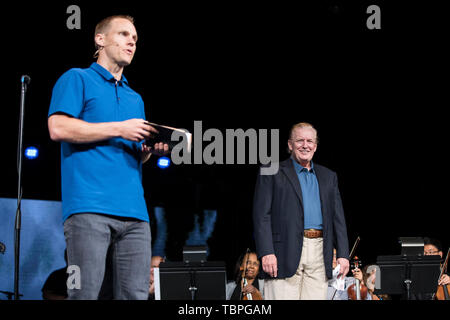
313,233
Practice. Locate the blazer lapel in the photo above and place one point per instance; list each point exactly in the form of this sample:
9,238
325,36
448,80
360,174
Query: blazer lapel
288,168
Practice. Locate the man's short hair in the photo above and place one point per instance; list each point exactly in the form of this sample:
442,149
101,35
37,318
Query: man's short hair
103,26
302,125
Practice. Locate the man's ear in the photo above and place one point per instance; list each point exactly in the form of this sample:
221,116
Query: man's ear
290,146
100,39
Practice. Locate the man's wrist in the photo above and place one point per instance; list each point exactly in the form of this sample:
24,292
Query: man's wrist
116,129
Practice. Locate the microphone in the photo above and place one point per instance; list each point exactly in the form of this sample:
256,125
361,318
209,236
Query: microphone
17,225
25,79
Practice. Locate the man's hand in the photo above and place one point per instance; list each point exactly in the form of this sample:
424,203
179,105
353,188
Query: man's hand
269,264
159,149
345,266
136,130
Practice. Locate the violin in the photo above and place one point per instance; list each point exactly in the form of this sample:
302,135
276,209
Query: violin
442,292
248,296
251,296
357,291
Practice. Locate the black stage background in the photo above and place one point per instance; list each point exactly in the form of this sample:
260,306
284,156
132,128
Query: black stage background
377,98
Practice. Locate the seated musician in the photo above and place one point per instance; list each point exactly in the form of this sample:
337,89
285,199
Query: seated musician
249,265
154,263
431,247
434,247
55,287
369,273
338,288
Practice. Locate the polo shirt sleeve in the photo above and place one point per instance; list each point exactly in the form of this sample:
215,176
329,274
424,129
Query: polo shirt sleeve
68,94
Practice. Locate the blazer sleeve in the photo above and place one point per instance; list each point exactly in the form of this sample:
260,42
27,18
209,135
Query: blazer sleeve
262,224
340,228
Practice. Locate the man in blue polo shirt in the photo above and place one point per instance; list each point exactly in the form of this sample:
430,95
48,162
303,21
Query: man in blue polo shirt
100,122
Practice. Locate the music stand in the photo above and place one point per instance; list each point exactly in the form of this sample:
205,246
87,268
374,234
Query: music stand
194,254
411,246
408,274
190,281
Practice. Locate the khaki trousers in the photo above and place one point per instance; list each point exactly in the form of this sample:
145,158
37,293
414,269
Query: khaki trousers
309,281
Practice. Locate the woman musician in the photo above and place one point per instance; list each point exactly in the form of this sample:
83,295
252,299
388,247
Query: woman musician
338,289
246,285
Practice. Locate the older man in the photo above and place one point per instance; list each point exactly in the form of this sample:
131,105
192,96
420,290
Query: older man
100,122
298,220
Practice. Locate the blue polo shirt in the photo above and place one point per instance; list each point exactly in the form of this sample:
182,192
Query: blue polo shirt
102,177
312,208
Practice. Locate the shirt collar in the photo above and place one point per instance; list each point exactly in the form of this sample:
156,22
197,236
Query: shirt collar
299,168
105,73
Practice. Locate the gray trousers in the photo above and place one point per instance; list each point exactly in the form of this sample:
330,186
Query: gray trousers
108,257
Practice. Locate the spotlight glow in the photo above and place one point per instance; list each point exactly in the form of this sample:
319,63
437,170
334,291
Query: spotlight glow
31,153
163,162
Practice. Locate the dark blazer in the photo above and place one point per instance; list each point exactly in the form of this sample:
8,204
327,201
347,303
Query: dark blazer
278,218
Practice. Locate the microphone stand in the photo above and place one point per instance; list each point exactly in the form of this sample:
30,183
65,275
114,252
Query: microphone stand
18,222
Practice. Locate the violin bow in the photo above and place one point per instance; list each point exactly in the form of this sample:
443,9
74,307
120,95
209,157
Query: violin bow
444,267
247,252
354,247
350,256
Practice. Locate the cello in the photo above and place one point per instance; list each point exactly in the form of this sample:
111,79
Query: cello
442,290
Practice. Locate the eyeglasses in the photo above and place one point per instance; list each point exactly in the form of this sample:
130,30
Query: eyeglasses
431,252
300,142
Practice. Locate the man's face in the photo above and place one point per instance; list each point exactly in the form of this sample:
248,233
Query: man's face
302,144
119,41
